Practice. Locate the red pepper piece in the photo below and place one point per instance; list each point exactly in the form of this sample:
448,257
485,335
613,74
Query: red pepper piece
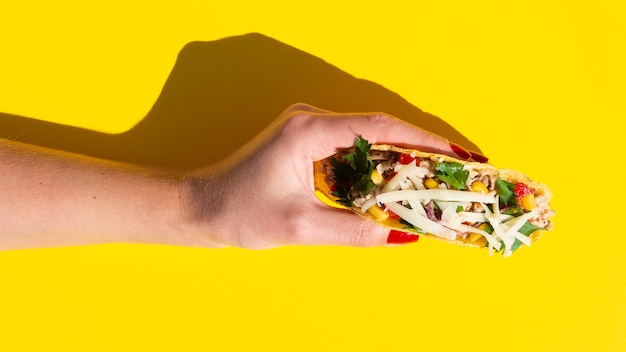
406,159
393,215
522,190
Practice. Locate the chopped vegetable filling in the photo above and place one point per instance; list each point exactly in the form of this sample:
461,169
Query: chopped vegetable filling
446,199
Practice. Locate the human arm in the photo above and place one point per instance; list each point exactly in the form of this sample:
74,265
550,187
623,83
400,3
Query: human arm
50,198
261,196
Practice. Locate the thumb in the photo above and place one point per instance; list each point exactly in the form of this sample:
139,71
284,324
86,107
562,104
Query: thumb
344,228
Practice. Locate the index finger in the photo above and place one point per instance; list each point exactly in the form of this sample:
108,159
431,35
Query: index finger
334,131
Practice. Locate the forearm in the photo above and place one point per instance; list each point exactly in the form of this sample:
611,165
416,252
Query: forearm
55,199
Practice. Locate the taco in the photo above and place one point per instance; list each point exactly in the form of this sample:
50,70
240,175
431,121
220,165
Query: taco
464,202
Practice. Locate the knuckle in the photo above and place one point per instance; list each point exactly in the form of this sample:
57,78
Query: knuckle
297,120
380,119
298,107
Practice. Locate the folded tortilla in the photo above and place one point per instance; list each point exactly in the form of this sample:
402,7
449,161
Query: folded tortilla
498,209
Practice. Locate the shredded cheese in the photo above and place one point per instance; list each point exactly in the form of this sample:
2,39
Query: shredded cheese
437,194
497,229
402,174
491,240
519,222
407,188
368,204
468,216
443,204
424,223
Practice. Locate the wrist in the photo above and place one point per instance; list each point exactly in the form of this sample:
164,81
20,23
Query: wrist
200,199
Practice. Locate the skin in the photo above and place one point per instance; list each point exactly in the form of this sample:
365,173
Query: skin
262,196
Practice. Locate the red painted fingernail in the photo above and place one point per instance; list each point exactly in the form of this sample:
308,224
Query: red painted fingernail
399,237
479,157
460,151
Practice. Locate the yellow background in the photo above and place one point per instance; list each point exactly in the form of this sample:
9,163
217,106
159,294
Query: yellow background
538,85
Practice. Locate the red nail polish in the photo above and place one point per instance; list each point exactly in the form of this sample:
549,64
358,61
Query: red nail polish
399,237
460,151
479,157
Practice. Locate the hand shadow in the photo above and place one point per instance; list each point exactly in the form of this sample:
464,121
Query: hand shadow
218,96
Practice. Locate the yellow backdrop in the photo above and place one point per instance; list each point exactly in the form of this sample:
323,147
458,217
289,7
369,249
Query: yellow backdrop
539,86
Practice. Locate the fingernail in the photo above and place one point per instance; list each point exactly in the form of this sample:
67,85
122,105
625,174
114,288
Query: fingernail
479,157
399,237
460,151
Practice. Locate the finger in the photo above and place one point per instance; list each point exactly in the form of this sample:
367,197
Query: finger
476,156
302,107
329,226
339,131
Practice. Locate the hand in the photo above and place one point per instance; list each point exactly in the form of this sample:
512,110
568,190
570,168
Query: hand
263,195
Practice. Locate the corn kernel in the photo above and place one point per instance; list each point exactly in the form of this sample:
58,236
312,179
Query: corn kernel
477,238
378,212
430,183
528,202
377,178
474,236
479,187
481,241
535,235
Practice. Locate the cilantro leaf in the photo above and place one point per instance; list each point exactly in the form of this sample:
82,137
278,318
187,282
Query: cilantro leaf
453,174
353,173
342,172
527,229
514,211
343,195
362,147
506,191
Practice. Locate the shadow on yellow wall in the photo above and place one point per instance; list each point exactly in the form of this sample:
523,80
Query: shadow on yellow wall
218,96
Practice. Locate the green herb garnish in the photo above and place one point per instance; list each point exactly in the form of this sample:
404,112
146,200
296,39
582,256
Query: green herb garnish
514,211
527,229
453,174
353,173
411,227
506,191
